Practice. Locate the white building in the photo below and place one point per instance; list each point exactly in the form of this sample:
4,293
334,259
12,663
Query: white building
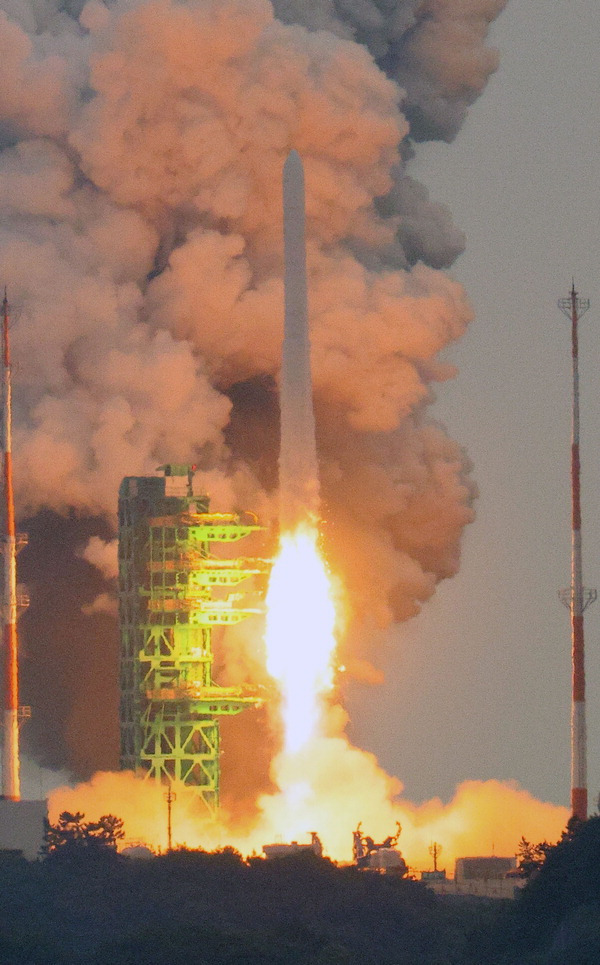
22,826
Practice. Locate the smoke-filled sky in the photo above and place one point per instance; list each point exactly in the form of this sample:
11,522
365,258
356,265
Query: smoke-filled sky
479,684
141,147
141,151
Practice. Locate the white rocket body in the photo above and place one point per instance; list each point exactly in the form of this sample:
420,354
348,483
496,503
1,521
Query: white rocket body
298,468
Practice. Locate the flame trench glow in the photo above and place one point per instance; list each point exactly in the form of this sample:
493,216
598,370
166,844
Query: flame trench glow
300,634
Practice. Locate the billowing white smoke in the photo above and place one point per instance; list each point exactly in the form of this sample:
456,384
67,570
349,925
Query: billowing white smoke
142,147
141,151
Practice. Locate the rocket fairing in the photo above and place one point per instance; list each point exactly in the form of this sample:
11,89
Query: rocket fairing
298,468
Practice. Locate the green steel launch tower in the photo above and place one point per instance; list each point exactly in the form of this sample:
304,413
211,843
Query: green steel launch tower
172,593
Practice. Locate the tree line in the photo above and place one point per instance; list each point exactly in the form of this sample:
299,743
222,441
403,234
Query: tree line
86,904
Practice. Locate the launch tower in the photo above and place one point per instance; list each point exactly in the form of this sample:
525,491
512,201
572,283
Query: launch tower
172,593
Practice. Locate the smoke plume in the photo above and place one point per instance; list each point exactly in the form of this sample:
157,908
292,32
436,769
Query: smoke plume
346,787
141,149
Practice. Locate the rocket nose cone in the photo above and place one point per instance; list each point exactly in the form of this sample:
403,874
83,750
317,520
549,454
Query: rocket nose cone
293,169
293,162
293,183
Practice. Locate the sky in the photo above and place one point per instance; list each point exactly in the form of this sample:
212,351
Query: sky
478,685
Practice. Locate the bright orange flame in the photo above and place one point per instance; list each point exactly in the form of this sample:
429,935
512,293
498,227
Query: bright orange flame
300,640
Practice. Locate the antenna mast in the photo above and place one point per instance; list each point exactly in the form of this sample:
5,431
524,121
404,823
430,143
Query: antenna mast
577,598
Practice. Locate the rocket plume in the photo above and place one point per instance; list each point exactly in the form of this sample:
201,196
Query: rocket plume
300,639
340,787
11,782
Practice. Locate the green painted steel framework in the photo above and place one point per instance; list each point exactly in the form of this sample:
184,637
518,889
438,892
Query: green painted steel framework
170,705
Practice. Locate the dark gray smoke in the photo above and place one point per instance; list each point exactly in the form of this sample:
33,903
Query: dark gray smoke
434,49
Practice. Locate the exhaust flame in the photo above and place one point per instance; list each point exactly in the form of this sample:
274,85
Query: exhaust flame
341,786
300,634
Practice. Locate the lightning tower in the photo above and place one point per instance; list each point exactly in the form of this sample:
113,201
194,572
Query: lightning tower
11,784
577,598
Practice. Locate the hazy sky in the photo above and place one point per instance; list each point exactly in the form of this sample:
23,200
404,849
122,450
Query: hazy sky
478,686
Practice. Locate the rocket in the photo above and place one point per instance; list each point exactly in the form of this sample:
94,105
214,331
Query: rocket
298,468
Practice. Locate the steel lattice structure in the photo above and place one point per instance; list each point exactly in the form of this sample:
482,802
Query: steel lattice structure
170,705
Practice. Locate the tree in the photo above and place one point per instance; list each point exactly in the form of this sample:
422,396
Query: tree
107,831
531,857
68,832
72,836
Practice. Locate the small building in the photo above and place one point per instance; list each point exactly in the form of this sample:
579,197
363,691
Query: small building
23,826
387,861
483,877
483,869
285,850
428,876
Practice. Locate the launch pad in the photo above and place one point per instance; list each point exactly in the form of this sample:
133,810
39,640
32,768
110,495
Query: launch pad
170,704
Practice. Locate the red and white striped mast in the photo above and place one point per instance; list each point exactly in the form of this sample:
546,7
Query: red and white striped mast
11,784
577,598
